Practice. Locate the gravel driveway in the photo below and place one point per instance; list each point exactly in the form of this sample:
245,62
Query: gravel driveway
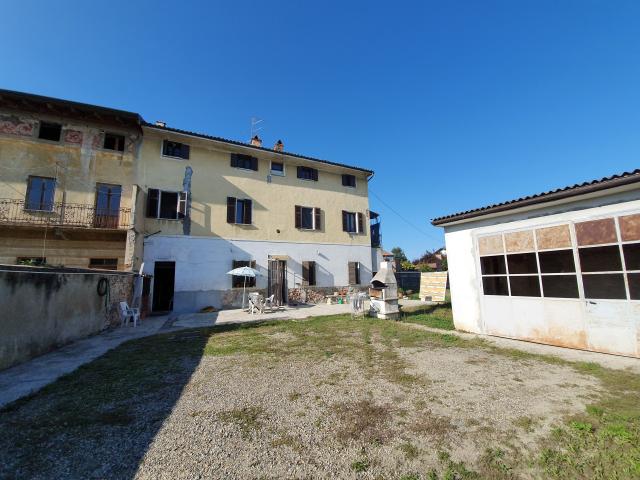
323,398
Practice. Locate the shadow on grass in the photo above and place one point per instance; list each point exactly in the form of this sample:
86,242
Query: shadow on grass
99,421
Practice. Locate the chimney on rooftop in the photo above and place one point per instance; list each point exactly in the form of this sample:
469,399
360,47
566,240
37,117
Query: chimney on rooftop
279,146
256,142
160,123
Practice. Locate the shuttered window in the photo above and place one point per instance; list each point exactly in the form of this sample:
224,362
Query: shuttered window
238,281
309,273
239,211
308,218
349,180
247,162
308,173
167,205
175,149
354,273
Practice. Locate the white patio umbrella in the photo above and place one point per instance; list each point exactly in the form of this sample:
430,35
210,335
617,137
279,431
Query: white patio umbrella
244,272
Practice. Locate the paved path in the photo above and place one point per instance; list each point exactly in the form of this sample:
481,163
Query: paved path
193,320
29,377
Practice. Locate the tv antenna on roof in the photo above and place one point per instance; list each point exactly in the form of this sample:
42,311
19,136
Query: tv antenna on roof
255,126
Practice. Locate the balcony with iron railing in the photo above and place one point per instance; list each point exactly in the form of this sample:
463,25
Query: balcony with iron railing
62,214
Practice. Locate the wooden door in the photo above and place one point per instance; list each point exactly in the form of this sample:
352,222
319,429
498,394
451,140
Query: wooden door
277,285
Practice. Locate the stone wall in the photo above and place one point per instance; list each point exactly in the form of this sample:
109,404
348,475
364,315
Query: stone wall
45,308
121,290
233,298
315,294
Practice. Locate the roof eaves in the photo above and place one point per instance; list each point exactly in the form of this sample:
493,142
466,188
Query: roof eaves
612,181
248,145
69,103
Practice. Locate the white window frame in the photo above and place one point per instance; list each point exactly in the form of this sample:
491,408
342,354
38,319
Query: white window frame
179,193
355,221
243,200
277,173
313,218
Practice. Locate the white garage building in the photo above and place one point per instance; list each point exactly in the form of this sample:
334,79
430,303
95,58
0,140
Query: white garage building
561,267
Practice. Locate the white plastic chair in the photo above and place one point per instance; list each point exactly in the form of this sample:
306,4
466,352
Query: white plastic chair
268,302
256,303
128,314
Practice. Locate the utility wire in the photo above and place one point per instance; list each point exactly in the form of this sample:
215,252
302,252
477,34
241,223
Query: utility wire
415,227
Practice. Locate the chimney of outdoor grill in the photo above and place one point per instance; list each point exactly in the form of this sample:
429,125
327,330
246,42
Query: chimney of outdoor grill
256,142
279,146
383,293
385,275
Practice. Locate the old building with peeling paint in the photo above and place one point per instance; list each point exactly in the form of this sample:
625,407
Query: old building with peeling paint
561,267
67,186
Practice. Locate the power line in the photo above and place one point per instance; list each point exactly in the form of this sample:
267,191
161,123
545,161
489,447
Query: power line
415,227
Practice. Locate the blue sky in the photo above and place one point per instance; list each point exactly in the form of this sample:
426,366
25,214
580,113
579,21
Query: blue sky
454,104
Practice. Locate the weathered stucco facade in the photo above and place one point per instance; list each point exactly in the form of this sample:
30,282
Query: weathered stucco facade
70,225
564,271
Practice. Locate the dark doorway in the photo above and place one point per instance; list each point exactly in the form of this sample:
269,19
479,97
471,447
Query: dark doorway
164,274
278,281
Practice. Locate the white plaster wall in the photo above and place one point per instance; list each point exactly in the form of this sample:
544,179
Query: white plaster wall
376,258
540,319
463,281
202,263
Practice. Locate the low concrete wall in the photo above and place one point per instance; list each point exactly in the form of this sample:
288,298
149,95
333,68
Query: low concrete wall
45,308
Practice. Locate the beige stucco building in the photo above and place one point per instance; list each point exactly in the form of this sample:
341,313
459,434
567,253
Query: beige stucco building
66,182
213,204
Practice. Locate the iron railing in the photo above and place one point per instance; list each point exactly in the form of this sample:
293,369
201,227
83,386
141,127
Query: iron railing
59,214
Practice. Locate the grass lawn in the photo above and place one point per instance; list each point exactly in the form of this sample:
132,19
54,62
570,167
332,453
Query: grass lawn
327,397
435,316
